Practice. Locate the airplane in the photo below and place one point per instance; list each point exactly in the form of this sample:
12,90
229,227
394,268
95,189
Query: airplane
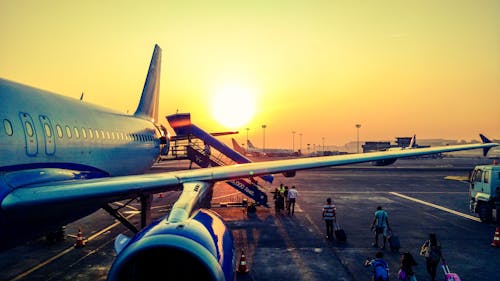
62,159
251,150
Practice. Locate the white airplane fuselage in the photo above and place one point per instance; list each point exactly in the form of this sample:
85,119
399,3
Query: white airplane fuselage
40,129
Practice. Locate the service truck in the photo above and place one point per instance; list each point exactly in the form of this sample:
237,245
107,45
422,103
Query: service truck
484,192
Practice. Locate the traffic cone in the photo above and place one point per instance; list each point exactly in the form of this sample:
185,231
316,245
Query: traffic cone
160,195
496,238
243,267
80,241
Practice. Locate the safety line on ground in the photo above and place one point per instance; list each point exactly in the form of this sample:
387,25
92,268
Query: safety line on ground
227,195
42,264
383,192
436,206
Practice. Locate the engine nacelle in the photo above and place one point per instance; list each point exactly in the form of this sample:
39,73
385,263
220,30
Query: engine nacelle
200,248
384,162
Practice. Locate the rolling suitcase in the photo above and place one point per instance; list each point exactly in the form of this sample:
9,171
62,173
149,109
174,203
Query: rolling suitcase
449,276
340,233
394,242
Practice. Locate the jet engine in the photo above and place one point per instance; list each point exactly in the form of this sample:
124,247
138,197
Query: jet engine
384,162
200,248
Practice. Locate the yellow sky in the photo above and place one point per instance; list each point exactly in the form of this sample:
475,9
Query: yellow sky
315,67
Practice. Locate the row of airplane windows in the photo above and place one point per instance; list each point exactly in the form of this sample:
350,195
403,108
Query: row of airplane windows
77,133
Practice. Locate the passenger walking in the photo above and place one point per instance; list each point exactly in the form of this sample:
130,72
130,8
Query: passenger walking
276,196
285,197
292,197
381,225
330,216
431,250
379,267
406,272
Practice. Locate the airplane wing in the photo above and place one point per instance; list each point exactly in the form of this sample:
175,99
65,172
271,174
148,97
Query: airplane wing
106,190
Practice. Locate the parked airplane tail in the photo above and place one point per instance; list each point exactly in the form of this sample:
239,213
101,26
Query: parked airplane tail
237,147
250,144
148,105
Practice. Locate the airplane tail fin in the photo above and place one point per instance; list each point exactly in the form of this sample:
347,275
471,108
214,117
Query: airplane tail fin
485,140
148,105
237,147
413,142
250,144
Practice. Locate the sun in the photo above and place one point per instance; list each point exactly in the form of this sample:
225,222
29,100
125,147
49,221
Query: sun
233,106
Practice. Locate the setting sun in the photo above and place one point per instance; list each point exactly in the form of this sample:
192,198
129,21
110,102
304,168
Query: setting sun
233,106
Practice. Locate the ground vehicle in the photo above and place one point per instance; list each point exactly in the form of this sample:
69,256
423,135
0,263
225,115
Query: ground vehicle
484,191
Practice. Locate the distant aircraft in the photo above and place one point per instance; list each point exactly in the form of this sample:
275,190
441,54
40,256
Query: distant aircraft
251,150
62,159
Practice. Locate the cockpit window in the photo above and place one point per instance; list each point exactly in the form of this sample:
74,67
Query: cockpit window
8,127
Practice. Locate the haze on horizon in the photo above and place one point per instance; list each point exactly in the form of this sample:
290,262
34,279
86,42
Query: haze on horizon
316,68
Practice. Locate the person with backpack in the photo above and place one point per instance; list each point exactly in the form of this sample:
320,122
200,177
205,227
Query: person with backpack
431,250
379,267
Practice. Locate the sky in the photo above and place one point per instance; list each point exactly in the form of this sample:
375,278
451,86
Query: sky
316,68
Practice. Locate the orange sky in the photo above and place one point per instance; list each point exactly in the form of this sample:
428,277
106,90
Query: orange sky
314,67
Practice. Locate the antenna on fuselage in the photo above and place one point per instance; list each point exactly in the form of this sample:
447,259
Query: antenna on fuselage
81,97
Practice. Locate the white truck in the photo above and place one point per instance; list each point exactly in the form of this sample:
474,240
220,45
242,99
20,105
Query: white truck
484,192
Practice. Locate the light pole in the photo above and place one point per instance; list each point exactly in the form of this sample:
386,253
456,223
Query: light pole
357,139
300,146
293,141
264,138
323,138
247,133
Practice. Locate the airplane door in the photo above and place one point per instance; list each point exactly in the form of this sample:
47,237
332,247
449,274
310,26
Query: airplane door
48,135
29,134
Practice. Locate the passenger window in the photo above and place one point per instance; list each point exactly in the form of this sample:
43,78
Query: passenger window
59,131
48,131
113,135
68,132
102,134
91,134
122,136
486,176
77,133
96,134
8,127
29,129
107,133
84,134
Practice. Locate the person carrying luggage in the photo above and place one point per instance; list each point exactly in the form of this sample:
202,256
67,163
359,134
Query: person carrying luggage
329,215
431,250
379,267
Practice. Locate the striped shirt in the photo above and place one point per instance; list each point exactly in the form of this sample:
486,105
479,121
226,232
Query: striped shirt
329,212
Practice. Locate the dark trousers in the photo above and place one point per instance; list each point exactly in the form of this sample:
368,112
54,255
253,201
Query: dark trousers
431,268
329,228
291,205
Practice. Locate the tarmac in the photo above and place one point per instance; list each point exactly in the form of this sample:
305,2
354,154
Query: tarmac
415,193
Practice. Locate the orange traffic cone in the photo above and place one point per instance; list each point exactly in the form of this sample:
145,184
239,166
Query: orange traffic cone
80,241
496,238
243,267
160,195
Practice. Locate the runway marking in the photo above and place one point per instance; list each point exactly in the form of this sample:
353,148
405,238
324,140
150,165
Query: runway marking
64,252
371,192
436,206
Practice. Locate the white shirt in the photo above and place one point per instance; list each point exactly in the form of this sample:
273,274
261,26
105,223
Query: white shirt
292,193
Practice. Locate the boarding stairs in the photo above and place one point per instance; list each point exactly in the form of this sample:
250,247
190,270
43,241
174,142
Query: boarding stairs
194,147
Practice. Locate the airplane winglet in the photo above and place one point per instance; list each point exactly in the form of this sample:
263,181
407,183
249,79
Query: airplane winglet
485,140
413,141
148,105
